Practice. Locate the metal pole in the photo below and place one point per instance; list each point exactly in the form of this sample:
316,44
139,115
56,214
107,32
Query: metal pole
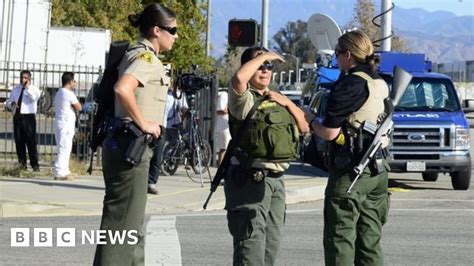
281,77
299,74
386,28
289,76
208,32
265,23
26,33
298,77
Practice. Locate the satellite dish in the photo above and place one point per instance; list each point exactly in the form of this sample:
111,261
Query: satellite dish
323,32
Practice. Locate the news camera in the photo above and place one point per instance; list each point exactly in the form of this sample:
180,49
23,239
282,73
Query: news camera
190,83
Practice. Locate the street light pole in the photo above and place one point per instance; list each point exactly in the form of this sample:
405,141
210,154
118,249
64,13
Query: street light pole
281,77
273,77
297,65
299,75
289,76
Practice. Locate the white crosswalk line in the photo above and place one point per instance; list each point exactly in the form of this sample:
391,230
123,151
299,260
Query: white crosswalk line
162,242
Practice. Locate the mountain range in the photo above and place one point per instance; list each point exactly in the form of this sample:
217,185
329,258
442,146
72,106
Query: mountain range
441,35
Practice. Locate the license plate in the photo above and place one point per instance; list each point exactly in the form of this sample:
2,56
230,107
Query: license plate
416,166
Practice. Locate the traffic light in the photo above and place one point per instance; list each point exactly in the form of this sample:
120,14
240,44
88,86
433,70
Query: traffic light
243,32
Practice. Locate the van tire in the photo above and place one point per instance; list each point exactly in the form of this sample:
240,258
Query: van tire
430,176
461,180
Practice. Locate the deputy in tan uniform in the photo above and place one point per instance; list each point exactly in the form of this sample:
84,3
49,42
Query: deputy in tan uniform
140,96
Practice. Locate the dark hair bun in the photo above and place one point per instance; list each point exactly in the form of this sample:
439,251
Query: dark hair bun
134,19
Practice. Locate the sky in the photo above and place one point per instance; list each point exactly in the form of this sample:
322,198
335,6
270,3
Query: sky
458,7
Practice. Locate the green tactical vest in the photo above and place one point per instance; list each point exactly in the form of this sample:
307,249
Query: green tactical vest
272,133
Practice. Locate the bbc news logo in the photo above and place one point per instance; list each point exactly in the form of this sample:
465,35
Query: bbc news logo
66,237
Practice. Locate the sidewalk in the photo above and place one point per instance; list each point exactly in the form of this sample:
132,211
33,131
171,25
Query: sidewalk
28,197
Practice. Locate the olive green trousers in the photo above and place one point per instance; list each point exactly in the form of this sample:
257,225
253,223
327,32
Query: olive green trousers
124,205
353,222
255,216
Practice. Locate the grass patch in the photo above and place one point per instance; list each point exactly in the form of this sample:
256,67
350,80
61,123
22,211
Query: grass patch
16,171
76,166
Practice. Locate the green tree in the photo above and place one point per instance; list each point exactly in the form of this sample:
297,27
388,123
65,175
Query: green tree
113,15
364,12
293,39
108,14
228,65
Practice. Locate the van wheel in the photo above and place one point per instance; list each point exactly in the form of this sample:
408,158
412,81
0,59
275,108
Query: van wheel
461,180
430,177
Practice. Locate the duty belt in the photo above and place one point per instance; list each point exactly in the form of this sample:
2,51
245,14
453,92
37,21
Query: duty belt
260,174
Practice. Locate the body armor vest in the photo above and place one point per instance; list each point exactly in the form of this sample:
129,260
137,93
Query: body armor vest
374,106
347,154
272,133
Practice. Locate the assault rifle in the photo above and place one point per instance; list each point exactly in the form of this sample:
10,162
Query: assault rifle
401,79
234,150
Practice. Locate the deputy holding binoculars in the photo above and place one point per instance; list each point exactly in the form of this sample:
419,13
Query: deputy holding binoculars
140,97
255,195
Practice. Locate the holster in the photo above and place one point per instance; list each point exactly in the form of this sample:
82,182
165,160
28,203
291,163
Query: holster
137,140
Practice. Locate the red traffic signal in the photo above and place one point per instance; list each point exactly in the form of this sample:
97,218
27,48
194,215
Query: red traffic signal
243,32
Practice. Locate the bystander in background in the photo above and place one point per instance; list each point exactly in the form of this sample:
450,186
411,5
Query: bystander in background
23,104
221,129
66,105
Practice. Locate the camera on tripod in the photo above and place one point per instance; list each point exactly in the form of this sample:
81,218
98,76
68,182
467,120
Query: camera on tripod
190,83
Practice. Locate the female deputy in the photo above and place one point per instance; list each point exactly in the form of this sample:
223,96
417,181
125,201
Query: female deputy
255,195
353,221
140,96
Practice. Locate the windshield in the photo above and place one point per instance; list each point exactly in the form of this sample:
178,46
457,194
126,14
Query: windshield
428,94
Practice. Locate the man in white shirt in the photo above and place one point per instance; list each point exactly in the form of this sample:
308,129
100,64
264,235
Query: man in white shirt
23,104
221,129
66,105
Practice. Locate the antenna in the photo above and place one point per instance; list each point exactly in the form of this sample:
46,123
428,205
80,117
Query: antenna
323,32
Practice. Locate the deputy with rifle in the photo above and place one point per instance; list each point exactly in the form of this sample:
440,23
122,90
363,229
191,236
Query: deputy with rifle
260,153
354,215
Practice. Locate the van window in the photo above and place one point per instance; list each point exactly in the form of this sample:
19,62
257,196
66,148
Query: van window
428,94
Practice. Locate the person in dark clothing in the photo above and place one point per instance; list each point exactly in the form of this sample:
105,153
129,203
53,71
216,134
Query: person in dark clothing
23,103
353,221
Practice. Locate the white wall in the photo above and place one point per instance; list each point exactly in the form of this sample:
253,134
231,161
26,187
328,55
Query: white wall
23,29
78,46
25,36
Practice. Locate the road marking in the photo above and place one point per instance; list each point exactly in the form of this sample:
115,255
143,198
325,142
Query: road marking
397,189
162,242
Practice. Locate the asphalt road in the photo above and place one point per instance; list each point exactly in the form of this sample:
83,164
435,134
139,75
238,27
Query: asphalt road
429,224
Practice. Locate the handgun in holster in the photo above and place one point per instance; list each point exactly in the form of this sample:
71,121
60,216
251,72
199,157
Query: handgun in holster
137,146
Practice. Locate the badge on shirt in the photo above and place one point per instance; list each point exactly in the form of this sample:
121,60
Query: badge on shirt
146,56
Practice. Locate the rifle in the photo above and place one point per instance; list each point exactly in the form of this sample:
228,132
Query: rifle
103,95
232,150
401,79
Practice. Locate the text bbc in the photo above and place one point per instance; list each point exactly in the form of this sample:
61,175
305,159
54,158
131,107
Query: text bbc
66,237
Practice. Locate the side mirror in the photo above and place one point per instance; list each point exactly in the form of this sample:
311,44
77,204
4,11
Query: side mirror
468,105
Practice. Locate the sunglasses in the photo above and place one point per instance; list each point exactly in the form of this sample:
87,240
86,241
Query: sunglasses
171,30
337,52
266,65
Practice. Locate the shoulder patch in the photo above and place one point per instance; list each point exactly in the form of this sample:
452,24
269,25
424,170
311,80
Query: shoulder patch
146,56
267,104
